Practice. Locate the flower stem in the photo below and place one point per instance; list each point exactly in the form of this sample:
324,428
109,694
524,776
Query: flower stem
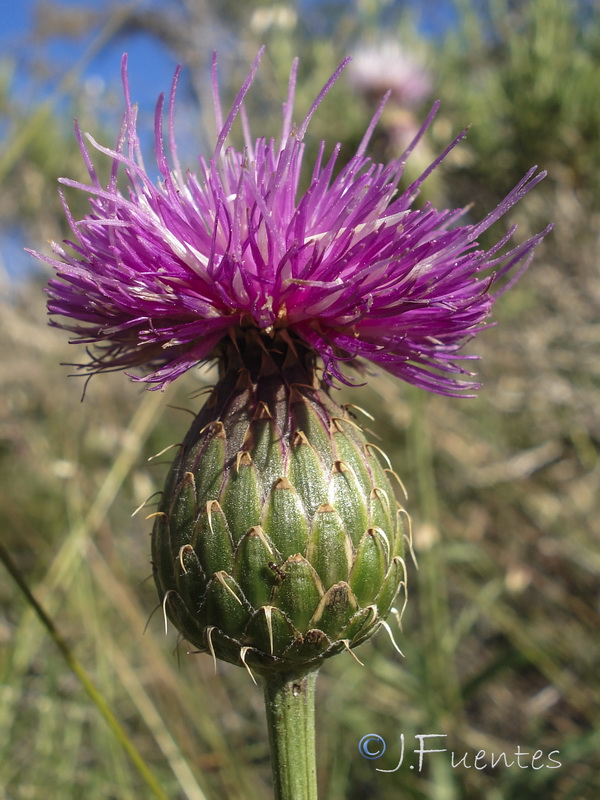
290,706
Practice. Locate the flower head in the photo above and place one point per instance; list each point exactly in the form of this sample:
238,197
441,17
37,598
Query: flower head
386,65
160,275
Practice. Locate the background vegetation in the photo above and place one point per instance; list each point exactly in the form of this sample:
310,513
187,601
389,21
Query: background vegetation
500,635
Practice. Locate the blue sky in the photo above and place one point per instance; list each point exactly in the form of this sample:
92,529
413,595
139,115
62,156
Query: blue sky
151,65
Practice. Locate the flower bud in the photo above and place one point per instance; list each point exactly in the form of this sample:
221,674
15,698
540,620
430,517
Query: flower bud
278,542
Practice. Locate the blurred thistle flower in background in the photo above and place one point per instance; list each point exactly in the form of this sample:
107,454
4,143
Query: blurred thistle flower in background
388,66
278,541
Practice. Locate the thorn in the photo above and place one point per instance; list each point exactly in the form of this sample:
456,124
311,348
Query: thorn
181,408
411,551
298,438
225,585
383,534
208,631
216,424
402,486
400,614
346,406
165,450
403,562
212,506
186,548
242,459
325,508
200,392
164,608
346,643
243,652
139,508
262,411
156,514
152,613
288,340
304,385
348,422
391,635
256,530
408,539
340,466
381,453
268,611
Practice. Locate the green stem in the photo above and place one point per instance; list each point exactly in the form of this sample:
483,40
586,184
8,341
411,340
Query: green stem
290,706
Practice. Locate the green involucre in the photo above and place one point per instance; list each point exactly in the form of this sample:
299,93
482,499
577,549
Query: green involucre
278,541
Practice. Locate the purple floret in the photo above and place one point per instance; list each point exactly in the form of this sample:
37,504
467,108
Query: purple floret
156,277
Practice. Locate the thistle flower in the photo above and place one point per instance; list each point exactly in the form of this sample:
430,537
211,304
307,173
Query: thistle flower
278,541
160,276
386,65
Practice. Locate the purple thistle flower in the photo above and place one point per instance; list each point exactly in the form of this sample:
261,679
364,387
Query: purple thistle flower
159,276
